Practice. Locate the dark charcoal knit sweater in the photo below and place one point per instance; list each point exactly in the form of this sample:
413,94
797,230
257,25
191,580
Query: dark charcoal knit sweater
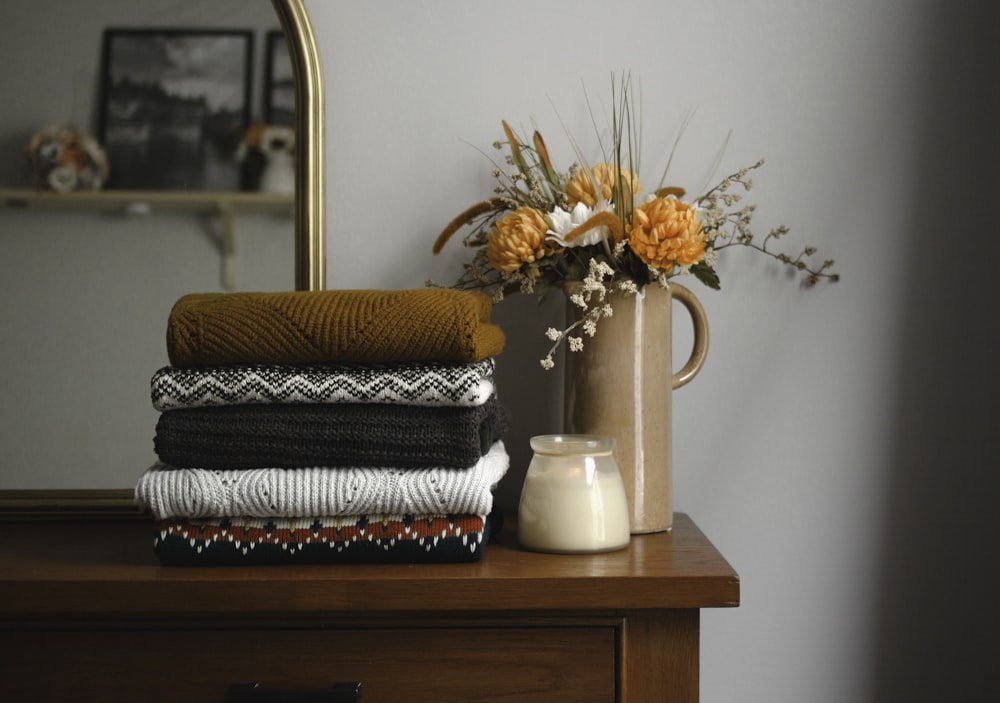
353,434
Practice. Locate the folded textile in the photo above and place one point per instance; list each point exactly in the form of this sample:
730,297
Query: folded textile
169,492
371,539
372,326
351,434
430,383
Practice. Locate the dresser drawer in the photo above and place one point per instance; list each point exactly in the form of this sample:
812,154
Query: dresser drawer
523,663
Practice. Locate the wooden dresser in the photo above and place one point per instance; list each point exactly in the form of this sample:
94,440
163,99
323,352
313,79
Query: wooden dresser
88,614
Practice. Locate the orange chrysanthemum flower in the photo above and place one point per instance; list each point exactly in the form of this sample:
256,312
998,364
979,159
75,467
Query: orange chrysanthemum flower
665,232
517,239
580,188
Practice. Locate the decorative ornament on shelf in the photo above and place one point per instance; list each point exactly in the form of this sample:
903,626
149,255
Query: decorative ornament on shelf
267,153
595,225
615,250
63,158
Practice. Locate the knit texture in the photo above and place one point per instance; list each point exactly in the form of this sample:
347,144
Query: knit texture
353,434
431,383
371,326
370,539
168,492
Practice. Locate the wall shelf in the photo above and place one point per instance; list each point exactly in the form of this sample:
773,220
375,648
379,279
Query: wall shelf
223,204
125,200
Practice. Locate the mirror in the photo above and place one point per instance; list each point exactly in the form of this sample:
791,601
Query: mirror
88,288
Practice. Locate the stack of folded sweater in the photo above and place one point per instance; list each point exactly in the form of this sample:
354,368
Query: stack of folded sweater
326,427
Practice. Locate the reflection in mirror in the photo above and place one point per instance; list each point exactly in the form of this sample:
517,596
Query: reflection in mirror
88,283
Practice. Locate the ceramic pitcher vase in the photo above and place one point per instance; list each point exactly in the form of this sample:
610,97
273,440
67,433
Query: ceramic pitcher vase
620,386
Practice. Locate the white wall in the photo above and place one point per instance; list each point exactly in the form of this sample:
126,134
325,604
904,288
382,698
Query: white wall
828,447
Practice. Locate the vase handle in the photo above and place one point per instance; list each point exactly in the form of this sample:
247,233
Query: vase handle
699,350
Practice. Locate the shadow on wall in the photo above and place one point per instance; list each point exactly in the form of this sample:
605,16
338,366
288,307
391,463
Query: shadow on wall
532,395
938,607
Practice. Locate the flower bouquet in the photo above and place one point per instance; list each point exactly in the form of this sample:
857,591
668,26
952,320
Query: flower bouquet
594,225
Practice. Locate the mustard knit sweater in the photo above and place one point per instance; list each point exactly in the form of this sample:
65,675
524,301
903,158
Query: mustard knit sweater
376,326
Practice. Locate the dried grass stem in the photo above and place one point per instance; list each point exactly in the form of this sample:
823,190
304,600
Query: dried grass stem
465,217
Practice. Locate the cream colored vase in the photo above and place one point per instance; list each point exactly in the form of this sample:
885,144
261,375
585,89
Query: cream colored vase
620,386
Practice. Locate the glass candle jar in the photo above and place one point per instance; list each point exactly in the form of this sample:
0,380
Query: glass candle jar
573,498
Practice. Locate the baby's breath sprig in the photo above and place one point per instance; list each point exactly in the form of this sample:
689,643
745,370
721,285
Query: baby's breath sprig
725,227
591,297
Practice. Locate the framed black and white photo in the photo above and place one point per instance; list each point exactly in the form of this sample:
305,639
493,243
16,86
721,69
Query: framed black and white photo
174,106
279,83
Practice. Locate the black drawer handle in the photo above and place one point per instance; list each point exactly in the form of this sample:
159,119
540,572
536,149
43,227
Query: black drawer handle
340,692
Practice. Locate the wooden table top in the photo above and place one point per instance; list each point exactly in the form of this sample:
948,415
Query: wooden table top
83,568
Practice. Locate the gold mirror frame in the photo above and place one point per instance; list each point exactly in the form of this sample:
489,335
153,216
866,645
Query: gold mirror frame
310,256
310,182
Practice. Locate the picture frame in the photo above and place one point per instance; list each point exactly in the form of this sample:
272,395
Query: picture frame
279,81
174,105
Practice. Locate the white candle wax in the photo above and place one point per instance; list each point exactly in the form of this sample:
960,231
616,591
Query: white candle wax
573,509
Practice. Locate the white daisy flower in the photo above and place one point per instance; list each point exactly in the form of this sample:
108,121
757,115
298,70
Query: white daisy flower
563,222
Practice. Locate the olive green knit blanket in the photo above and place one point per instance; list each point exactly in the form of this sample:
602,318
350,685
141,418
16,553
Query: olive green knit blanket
375,326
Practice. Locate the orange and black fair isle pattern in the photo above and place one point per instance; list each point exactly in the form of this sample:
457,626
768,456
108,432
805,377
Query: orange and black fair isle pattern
355,539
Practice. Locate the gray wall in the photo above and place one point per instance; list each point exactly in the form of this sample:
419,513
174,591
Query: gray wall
829,446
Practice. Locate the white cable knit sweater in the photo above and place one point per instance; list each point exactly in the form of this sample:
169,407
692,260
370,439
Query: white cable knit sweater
194,493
